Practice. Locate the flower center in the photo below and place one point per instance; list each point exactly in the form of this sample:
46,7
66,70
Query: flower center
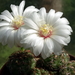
17,22
45,30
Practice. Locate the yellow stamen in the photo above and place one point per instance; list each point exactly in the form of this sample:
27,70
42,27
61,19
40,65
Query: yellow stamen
17,22
46,30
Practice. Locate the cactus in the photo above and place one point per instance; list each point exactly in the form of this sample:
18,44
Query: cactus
25,63
53,62
36,71
69,69
40,71
20,63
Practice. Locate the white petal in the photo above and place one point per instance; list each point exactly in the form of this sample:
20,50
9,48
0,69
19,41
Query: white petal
61,21
50,16
22,32
11,39
30,39
47,54
36,18
57,48
49,44
21,7
5,37
63,27
59,39
63,33
42,13
29,10
17,37
67,39
30,24
30,31
38,46
3,31
7,14
5,18
14,10
18,33
4,23
43,54
48,47
57,16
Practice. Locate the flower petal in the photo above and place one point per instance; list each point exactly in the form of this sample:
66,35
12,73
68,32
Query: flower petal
30,31
13,7
38,46
29,10
11,39
4,23
67,39
36,18
3,31
5,37
63,33
7,14
29,23
30,39
42,13
57,16
21,7
57,48
63,27
61,21
59,39
5,18
48,44
17,37
43,54
50,16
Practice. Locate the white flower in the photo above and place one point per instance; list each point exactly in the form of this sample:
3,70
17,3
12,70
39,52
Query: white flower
46,33
11,26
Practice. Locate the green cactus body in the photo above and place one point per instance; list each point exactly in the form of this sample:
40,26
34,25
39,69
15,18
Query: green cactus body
25,63
69,69
21,63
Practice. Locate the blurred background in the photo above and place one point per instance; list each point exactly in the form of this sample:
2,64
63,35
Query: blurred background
66,6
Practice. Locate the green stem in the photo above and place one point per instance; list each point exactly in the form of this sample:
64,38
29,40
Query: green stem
22,49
